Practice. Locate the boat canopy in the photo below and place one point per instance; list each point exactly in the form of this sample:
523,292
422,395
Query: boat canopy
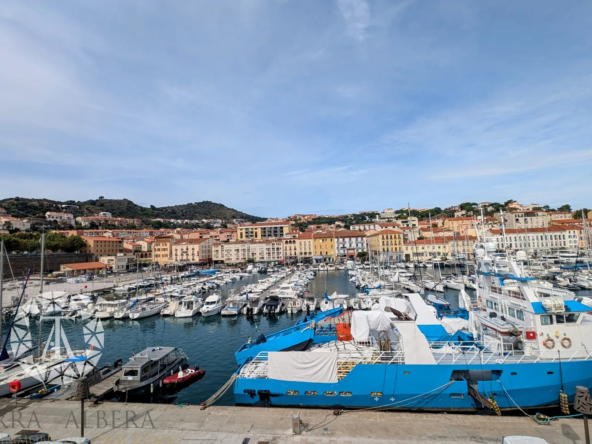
415,345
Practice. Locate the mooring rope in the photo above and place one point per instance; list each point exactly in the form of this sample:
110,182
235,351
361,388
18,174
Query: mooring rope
212,399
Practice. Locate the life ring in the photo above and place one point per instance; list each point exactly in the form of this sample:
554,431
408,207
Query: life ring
566,343
549,343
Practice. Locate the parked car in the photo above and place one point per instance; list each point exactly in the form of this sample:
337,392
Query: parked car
31,438
75,440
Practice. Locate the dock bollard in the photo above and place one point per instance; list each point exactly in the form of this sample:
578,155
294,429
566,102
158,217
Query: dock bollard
296,424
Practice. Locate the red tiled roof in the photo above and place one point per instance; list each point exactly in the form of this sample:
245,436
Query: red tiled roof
85,266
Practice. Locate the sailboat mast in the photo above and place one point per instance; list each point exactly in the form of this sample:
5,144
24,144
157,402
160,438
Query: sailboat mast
41,291
1,284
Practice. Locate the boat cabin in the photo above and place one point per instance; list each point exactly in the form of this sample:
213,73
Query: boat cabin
147,365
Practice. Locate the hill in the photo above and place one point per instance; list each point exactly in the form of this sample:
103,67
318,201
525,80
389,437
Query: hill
36,208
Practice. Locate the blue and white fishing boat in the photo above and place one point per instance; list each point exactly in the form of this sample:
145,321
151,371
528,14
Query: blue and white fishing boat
393,361
296,338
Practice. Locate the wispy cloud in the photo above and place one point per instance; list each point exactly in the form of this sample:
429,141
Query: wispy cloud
356,14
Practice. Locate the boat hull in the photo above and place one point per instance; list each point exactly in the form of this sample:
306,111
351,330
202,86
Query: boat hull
423,387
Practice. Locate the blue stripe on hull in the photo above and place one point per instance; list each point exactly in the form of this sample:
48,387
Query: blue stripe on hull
404,387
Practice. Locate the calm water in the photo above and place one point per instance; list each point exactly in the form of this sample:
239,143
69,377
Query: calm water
208,342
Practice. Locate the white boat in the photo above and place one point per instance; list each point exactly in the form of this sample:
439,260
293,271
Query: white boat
190,306
122,314
145,311
310,304
212,306
326,305
106,309
254,305
293,305
454,283
170,308
233,307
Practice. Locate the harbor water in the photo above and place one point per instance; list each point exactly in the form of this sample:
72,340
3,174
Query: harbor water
208,342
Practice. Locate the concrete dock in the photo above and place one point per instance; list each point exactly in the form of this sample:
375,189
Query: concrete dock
169,424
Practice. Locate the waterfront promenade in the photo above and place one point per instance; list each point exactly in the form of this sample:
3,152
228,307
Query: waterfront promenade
170,424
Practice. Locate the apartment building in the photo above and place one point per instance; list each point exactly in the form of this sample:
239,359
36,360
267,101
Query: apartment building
520,220
236,252
348,243
439,247
120,262
538,240
324,245
290,242
102,245
559,215
162,249
386,244
461,226
60,218
262,230
305,247
192,250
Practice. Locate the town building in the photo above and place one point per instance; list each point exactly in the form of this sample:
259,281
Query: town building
120,262
192,250
14,223
387,245
262,230
78,269
105,214
559,215
102,246
444,247
520,220
60,218
536,241
290,242
305,246
162,251
236,252
388,214
348,243
324,245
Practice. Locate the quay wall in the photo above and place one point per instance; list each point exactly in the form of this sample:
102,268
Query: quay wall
20,263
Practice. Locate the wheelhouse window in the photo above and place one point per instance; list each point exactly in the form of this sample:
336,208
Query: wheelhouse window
512,312
546,320
131,372
572,318
520,315
560,319
490,304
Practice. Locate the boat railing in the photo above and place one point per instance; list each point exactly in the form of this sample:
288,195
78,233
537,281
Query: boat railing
475,353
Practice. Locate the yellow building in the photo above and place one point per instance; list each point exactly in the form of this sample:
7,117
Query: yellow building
162,249
386,243
324,245
305,245
262,230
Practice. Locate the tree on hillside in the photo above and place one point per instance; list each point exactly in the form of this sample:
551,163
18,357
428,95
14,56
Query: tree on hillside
578,213
362,255
566,207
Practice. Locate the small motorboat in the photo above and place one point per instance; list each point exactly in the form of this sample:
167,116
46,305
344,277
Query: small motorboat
188,375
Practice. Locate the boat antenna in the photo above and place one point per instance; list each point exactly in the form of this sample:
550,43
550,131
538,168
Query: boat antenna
414,242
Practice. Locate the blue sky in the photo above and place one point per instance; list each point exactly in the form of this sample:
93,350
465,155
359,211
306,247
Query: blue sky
277,107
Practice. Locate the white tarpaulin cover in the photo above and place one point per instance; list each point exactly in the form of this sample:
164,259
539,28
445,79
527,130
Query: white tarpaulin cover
397,303
364,321
415,344
425,316
302,366
452,325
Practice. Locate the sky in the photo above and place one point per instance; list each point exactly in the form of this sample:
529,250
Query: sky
277,107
